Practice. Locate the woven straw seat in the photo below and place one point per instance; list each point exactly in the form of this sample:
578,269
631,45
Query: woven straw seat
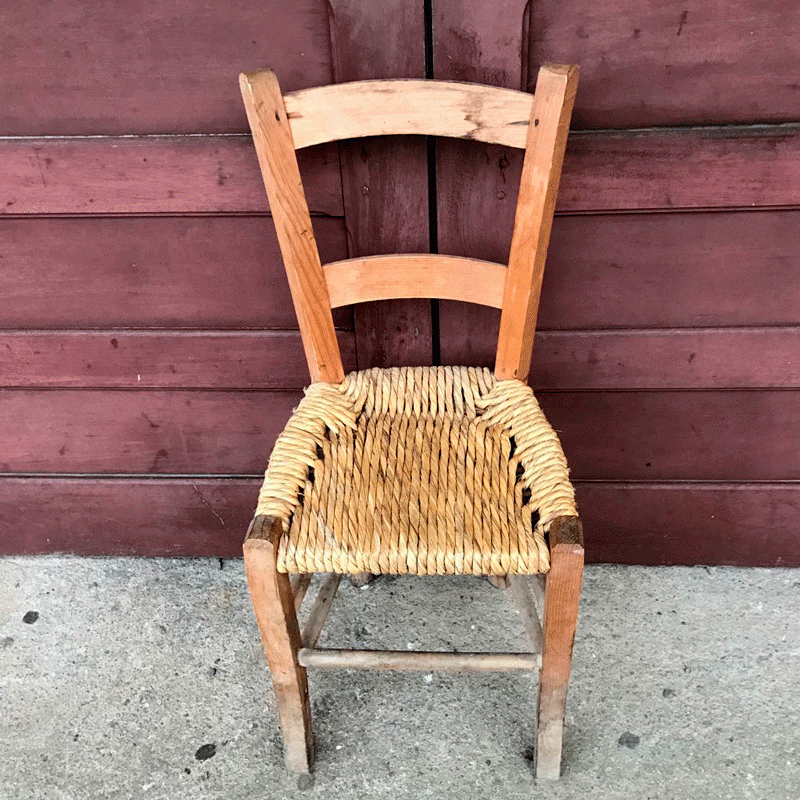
425,470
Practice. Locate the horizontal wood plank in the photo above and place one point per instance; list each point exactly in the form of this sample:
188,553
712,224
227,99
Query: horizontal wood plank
141,272
631,523
754,525
126,516
690,168
152,175
654,63
670,435
696,435
145,67
116,359
707,358
635,171
144,432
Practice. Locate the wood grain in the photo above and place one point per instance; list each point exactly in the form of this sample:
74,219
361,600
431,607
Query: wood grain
631,523
403,107
273,603
547,139
166,67
525,605
419,661
150,272
320,610
157,359
300,584
360,280
276,156
560,618
200,174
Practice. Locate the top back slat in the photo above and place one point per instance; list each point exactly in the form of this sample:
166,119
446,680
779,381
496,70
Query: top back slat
396,107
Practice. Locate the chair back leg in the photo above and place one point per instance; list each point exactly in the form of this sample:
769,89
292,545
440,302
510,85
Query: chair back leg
274,605
562,593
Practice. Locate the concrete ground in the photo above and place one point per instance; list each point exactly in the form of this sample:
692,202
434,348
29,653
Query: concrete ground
144,678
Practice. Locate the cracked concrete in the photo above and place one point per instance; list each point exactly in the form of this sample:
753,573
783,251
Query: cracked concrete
144,678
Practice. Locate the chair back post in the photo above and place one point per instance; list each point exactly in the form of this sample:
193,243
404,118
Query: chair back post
275,148
544,155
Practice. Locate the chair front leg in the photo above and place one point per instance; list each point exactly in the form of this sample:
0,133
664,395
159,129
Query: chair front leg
274,607
562,594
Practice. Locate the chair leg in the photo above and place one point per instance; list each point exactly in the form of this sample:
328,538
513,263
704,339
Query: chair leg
273,603
562,594
361,579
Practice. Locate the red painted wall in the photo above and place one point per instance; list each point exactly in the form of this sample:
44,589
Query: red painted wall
148,350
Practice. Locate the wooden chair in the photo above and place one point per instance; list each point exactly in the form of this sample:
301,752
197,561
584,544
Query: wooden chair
427,470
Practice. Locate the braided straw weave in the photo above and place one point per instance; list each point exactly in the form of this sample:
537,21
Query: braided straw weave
425,470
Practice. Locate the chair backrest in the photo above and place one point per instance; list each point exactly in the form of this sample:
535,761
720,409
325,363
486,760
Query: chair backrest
538,123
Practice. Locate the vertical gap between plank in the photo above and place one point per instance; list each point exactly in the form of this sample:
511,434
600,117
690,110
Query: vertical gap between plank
433,221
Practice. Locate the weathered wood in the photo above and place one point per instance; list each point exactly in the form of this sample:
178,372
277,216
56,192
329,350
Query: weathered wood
738,524
403,660
151,272
385,180
273,604
732,435
562,595
300,584
648,63
681,171
146,432
150,175
659,170
706,358
403,107
523,599
319,611
673,358
547,139
149,67
655,78
360,280
275,149
141,359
